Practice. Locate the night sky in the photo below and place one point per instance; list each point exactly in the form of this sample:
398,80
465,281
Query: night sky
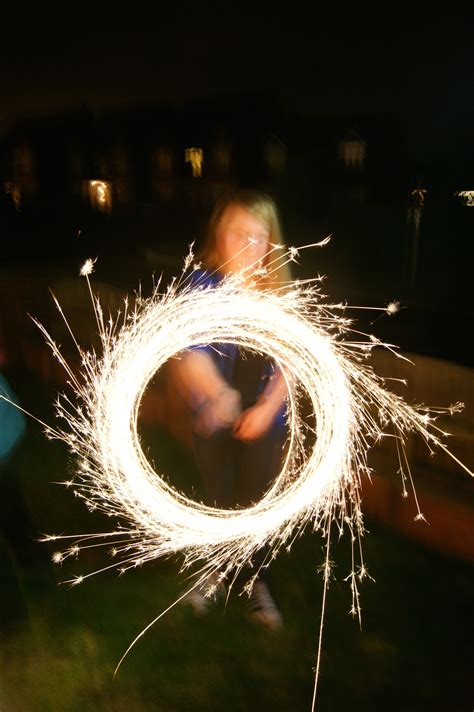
419,66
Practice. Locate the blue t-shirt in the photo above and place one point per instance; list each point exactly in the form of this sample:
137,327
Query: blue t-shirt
246,371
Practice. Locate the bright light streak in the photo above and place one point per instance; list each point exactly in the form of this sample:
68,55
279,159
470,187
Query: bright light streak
322,360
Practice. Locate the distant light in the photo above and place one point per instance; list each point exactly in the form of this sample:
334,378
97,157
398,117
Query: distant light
415,208
12,188
419,194
100,195
352,151
467,196
195,156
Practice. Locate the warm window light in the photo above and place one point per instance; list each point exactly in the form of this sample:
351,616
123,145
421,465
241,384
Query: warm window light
352,152
100,195
12,189
195,156
467,196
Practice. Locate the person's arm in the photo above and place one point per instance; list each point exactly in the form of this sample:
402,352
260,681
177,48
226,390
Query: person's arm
256,420
215,404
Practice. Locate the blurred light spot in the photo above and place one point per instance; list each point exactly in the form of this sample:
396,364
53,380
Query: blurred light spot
12,189
467,196
352,150
100,195
195,156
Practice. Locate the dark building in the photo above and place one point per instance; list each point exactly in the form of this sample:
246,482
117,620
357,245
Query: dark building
146,177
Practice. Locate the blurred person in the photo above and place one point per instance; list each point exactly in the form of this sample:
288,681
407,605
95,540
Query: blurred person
12,430
15,536
237,398
12,420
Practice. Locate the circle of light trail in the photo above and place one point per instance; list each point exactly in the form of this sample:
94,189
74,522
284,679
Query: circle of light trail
122,478
308,340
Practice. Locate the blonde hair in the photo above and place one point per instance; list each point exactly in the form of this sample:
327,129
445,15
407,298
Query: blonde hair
262,207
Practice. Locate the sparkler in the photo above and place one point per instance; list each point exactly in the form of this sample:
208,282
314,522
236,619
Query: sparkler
322,360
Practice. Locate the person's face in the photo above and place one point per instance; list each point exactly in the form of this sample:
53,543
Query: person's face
242,239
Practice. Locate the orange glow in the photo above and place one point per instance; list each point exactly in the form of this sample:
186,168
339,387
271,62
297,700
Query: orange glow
195,156
12,189
100,195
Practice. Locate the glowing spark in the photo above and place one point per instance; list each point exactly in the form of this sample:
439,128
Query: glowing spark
87,268
393,308
313,345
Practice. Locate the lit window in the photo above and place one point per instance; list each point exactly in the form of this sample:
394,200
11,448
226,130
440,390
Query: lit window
352,151
100,195
467,197
12,189
195,156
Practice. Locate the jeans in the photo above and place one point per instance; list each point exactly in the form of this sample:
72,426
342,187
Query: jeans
237,474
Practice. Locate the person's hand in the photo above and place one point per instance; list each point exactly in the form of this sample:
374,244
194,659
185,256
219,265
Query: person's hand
253,423
219,412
